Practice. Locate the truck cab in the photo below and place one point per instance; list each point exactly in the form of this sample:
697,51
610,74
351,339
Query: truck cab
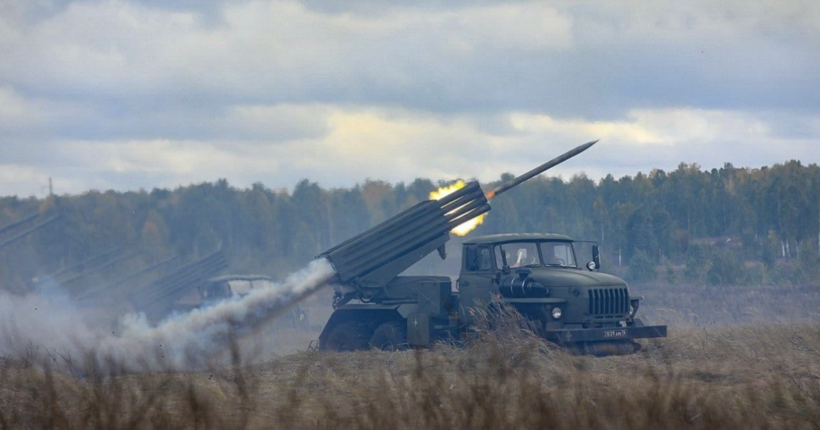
541,276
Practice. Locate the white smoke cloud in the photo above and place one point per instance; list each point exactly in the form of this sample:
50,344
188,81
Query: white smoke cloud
48,321
44,319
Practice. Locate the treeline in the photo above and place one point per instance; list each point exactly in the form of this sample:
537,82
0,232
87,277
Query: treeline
756,225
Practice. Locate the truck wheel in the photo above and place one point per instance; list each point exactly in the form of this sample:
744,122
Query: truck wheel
347,336
390,336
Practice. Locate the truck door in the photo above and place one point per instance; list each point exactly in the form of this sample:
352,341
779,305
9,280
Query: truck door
477,284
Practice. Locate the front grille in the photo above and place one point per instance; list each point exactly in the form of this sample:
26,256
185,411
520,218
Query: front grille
605,302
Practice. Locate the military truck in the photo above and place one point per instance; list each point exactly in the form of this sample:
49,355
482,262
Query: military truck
539,275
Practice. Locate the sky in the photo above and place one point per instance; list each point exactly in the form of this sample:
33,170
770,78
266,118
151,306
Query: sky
131,94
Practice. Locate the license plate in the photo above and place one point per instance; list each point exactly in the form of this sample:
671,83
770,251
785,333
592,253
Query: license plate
614,333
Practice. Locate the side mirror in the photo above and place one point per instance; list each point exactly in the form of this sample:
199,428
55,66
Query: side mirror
596,256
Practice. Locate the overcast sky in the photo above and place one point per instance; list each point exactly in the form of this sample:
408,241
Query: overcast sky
159,93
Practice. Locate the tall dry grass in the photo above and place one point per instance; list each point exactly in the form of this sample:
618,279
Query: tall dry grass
690,305
754,376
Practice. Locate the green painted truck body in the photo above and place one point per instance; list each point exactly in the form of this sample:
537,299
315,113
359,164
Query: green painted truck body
570,303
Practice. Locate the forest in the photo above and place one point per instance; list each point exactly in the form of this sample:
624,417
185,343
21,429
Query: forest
724,226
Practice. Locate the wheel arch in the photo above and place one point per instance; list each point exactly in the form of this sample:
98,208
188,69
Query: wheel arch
368,315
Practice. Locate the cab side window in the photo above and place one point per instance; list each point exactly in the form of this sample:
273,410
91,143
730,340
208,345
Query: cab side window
478,259
485,259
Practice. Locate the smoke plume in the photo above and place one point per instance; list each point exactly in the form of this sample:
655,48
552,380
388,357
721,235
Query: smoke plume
49,321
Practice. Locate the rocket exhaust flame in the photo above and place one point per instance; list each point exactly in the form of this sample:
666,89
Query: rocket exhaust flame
466,227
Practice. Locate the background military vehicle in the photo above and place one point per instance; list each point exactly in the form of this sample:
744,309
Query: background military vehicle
537,274
220,288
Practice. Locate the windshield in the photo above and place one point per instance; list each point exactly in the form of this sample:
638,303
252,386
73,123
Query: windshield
558,254
240,287
525,254
520,254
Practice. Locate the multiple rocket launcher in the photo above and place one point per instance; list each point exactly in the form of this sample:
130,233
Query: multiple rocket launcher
376,256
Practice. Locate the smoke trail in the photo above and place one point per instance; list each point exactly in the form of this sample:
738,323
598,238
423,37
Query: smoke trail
188,340
183,342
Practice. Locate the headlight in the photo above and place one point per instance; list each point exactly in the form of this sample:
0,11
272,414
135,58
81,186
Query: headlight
556,313
633,307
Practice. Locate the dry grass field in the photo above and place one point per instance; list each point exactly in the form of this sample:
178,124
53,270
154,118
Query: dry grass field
730,377
742,374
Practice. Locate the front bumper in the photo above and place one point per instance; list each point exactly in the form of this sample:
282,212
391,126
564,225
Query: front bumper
605,334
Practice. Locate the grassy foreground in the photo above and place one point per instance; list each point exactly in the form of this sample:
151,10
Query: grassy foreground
731,377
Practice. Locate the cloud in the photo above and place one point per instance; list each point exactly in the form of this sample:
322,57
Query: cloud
269,50
569,59
400,145
128,94
24,180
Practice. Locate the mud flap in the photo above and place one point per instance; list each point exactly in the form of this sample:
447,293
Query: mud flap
418,330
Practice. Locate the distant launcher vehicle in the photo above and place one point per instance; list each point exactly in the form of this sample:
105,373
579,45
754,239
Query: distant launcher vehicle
229,287
17,230
539,275
215,290
161,290
178,291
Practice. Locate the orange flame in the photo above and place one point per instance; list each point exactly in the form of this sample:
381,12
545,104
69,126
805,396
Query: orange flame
466,227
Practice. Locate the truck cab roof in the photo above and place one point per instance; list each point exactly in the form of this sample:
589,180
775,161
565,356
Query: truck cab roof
515,237
240,278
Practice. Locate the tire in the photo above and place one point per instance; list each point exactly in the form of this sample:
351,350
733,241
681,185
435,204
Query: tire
390,336
347,336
